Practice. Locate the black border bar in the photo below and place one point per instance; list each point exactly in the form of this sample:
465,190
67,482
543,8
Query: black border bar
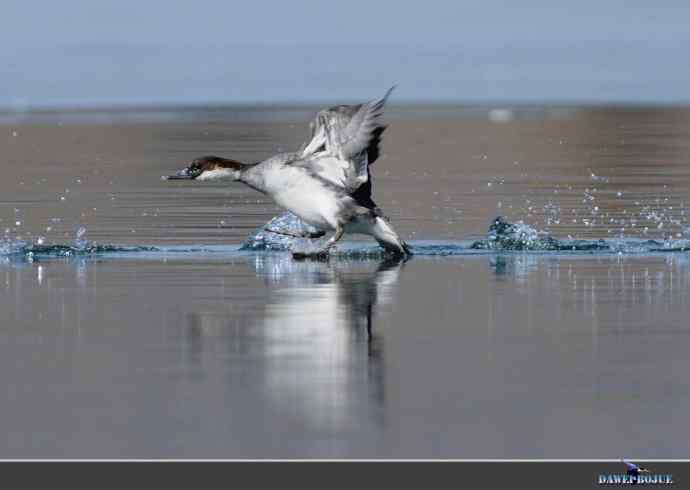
326,474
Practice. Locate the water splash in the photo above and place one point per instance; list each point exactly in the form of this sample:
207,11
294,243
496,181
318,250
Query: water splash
79,241
263,239
30,251
502,237
515,236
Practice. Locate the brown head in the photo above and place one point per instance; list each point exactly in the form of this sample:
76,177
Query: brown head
209,168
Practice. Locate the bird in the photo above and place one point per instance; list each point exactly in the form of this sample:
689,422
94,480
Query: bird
288,224
633,469
327,184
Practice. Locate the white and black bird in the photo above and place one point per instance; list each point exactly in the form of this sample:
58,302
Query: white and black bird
327,184
633,469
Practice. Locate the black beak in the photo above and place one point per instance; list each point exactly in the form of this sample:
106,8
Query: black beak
181,175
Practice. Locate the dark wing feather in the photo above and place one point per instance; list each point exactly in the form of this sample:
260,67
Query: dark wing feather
374,150
351,135
362,129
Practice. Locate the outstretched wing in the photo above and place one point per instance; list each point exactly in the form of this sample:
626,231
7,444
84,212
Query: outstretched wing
350,135
361,129
330,169
341,116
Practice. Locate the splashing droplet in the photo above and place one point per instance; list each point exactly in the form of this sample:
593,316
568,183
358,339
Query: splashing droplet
79,241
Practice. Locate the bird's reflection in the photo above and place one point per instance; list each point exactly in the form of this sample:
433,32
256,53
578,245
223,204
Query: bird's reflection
322,349
347,292
315,343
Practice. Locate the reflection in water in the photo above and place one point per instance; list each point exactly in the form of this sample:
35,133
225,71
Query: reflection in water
607,300
40,274
266,357
320,355
517,266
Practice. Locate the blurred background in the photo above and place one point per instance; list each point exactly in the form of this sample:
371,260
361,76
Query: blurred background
83,53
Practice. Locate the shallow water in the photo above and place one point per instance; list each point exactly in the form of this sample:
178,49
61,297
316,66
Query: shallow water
150,334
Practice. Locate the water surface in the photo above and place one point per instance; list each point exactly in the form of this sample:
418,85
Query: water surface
170,342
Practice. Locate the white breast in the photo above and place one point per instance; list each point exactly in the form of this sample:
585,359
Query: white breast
295,190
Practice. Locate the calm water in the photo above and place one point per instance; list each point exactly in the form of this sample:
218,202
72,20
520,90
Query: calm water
197,350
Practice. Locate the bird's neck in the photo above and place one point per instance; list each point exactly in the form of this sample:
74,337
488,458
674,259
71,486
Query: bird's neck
251,175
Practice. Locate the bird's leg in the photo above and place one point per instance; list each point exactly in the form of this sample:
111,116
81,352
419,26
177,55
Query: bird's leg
323,253
304,234
336,236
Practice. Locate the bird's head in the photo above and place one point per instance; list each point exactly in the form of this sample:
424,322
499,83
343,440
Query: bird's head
209,168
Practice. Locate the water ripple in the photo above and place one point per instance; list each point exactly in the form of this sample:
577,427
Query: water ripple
503,237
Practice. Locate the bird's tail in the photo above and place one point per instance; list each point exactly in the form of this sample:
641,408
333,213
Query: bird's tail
384,233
